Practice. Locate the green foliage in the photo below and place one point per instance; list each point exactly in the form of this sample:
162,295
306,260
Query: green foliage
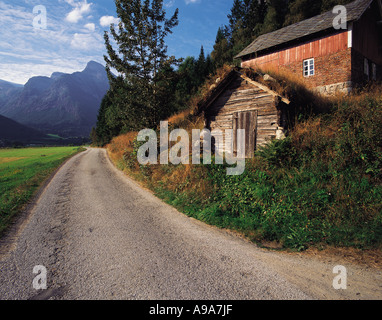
277,153
191,74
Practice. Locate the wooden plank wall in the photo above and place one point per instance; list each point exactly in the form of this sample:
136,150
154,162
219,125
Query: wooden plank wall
312,49
366,37
241,96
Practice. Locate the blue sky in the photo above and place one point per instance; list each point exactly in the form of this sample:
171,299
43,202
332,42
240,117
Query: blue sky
74,33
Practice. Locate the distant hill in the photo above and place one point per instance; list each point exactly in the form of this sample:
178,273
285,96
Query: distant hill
63,104
12,131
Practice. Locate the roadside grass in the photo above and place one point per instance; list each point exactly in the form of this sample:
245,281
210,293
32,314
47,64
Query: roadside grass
22,172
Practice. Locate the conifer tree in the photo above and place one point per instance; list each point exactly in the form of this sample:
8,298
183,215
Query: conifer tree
140,56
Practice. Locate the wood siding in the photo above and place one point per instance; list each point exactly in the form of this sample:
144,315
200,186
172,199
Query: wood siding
241,96
317,48
247,121
367,35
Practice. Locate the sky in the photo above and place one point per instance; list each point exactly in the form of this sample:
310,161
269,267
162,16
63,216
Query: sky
39,37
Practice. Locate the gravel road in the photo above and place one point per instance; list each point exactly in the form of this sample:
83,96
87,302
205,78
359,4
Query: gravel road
101,236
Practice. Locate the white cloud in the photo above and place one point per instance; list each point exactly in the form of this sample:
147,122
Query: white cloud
191,1
63,46
169,3
90,26
106,21
86,41
80,8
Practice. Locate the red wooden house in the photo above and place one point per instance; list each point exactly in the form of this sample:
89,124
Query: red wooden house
329,59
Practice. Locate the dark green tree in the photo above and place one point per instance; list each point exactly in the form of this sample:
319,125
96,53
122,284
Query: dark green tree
137,61
201,66
299,10
275,17
222,52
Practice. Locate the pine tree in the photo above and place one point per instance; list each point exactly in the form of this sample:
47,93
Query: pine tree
200,67
140,56
222,52
275,17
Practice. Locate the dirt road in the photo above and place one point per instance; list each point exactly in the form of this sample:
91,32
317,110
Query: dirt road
101,236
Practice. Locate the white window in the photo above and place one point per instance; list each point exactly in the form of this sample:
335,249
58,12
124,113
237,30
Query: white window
374,69
308,67
366,68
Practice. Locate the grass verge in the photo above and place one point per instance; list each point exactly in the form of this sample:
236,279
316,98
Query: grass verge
22,172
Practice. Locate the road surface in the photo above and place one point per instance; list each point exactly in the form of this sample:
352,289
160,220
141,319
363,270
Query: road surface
101,236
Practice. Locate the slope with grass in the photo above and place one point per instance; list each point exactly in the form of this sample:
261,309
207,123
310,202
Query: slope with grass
321,186
22,171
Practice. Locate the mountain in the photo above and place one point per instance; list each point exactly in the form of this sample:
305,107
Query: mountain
8,90
63,104
11,131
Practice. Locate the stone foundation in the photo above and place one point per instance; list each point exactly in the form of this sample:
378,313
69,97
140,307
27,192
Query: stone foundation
331,89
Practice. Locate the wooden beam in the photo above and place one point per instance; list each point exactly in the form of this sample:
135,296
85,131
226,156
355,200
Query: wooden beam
265,88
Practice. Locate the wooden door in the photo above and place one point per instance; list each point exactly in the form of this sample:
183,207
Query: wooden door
246,120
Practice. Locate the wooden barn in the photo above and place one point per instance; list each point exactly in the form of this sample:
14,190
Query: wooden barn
238,102
329,54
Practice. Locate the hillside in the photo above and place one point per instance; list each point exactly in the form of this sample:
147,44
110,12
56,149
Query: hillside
319,187
63,104
11,131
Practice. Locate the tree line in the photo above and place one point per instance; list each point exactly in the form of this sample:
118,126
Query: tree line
147,85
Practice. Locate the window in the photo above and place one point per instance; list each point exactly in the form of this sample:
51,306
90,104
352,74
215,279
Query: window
366,68
374,69
308,67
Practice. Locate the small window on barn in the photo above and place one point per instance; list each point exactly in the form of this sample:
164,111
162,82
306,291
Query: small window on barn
308,67
366,68
374,70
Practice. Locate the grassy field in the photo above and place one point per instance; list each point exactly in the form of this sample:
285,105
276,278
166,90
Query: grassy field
22,171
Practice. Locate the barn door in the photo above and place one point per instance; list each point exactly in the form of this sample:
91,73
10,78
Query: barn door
246,120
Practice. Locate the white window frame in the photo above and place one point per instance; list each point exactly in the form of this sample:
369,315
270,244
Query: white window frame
308,68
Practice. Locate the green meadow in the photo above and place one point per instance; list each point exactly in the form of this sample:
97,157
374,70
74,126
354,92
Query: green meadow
22,172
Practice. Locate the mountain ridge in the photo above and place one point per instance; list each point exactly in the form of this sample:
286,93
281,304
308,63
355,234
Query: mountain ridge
64,104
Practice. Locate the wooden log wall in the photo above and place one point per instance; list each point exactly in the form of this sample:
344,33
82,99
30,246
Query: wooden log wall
242,96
